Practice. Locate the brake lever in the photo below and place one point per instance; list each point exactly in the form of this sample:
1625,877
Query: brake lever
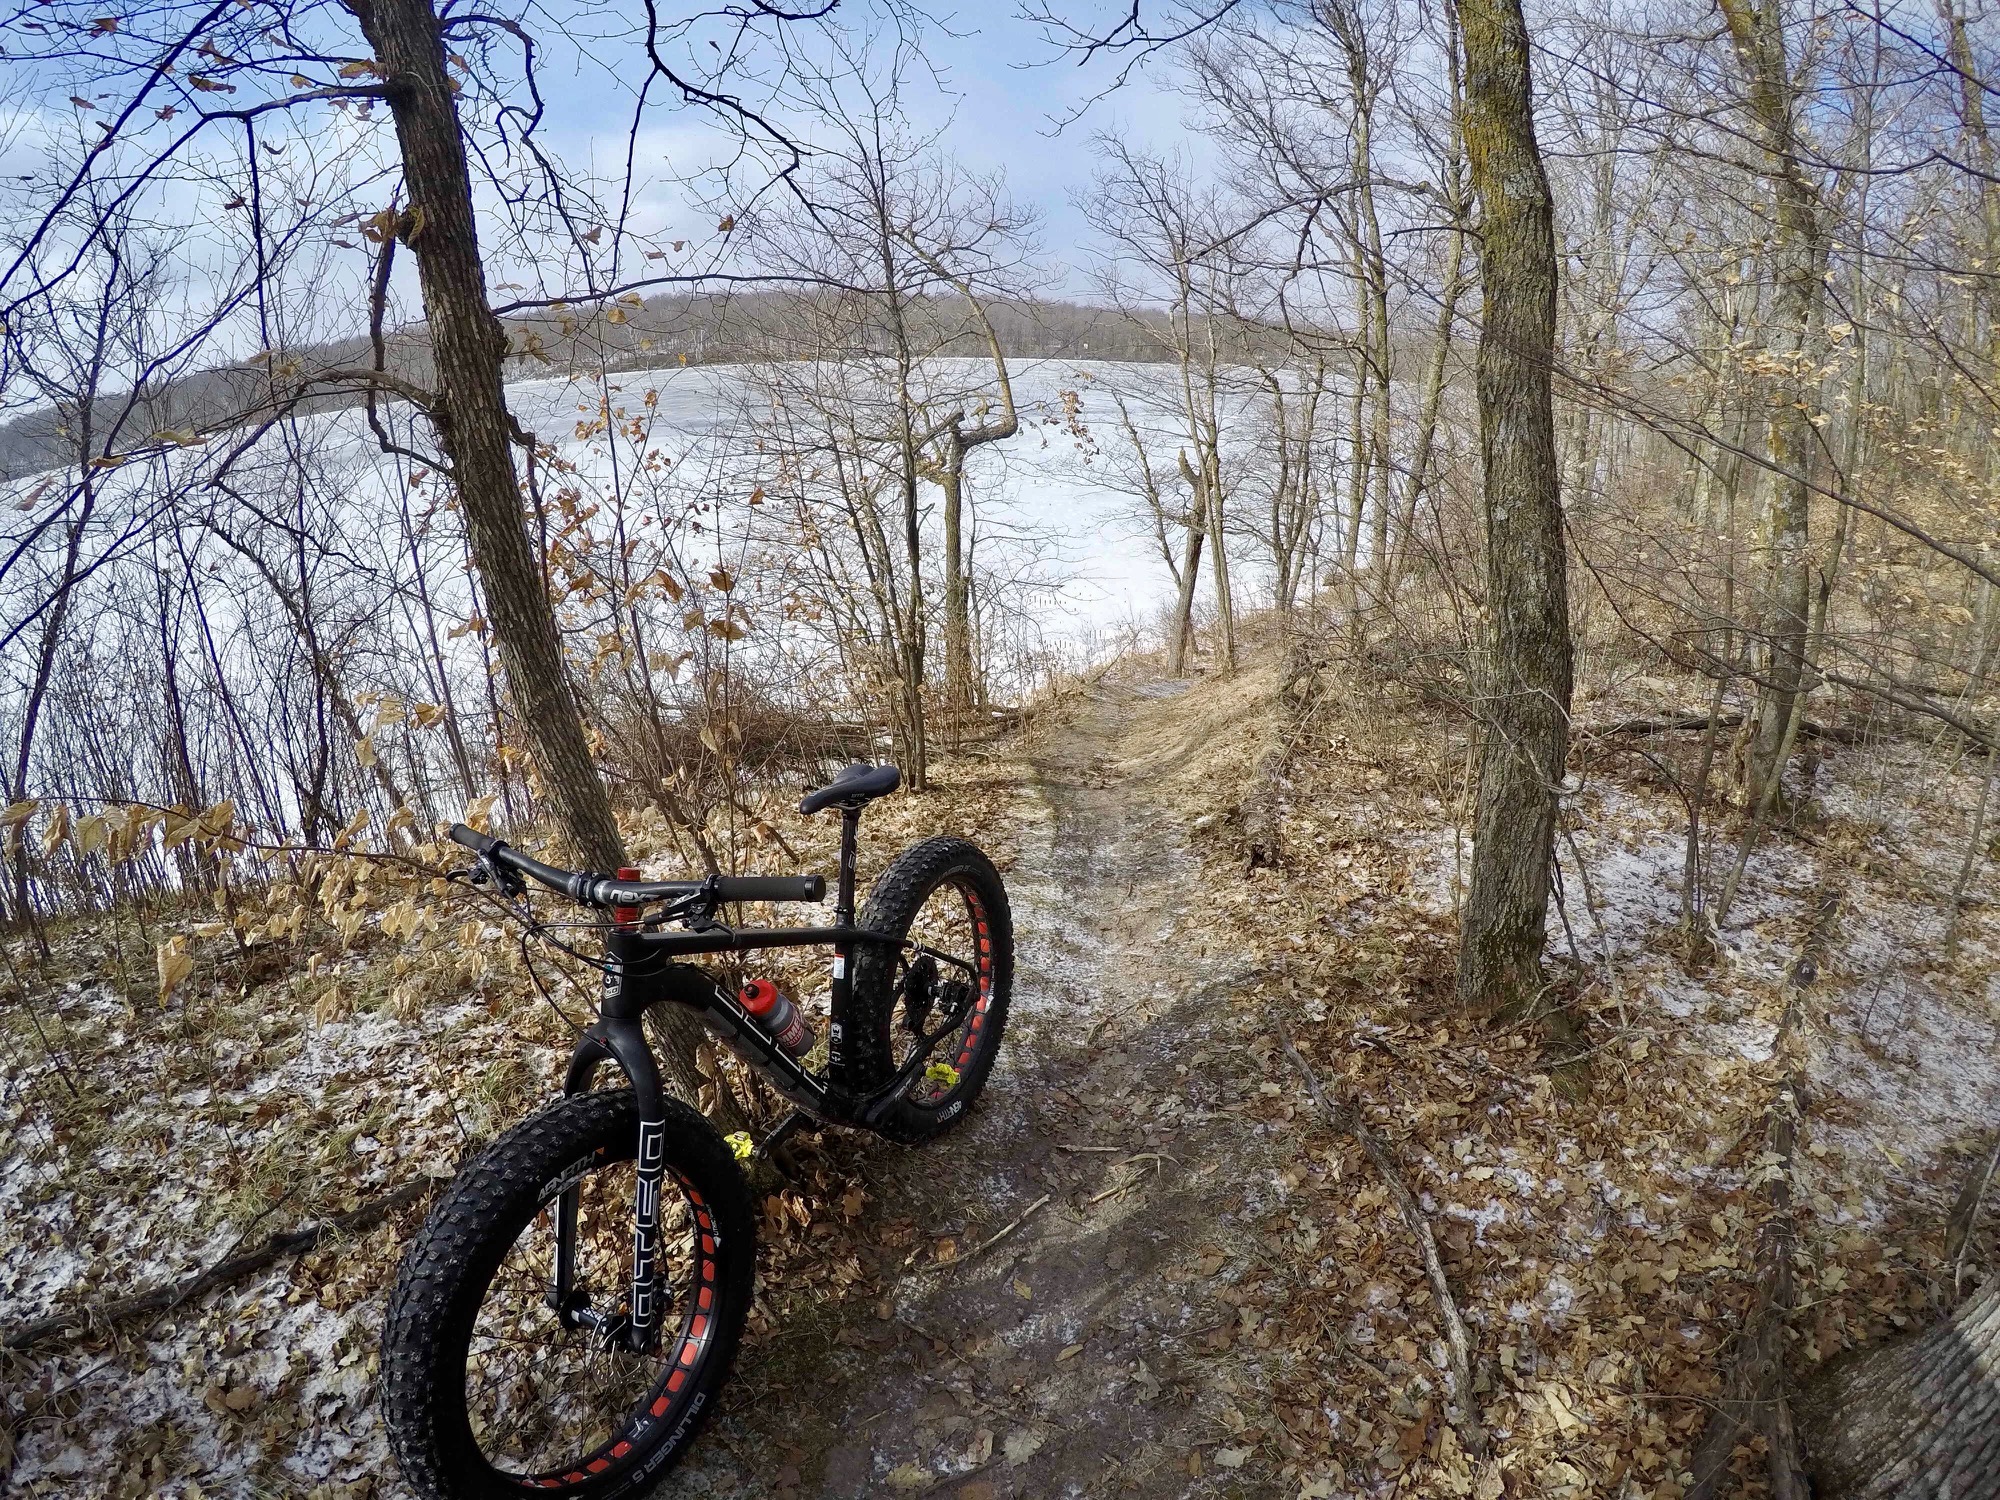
509,882
697,911
701,918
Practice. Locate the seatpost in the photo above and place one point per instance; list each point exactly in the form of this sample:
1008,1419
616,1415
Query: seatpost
843,901
843,916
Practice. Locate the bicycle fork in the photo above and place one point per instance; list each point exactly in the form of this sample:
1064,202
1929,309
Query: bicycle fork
621,1040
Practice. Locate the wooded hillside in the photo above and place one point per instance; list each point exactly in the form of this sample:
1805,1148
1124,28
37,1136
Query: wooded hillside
1465,606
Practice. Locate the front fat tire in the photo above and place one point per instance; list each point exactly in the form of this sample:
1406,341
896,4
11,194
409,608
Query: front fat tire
447,1269
899,895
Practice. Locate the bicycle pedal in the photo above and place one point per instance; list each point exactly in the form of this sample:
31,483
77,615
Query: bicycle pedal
783,1131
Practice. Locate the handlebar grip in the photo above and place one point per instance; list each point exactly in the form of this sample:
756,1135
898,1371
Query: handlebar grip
771,887
479,843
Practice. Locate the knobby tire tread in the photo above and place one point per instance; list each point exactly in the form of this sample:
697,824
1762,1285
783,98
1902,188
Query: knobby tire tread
898,895
448,1264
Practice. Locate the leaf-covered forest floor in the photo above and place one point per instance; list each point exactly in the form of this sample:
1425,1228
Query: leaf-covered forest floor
1145,1265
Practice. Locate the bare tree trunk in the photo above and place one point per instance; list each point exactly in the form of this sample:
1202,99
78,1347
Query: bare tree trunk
957,592
1917,1417
1758,34
45,660
1527,687
1432,398
474,428
1225,607
469,349
1357,469
1381,354
461,758
1183,626
961,685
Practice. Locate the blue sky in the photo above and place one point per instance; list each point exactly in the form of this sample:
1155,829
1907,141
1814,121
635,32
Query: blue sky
998,100
1003,99
1012,97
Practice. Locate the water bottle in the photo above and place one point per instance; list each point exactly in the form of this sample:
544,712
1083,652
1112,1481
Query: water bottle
777,1015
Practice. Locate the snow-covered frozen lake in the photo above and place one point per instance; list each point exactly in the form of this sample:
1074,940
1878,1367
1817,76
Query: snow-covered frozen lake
1050,492
1068,553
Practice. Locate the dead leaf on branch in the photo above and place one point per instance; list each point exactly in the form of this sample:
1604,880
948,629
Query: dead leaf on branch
174,963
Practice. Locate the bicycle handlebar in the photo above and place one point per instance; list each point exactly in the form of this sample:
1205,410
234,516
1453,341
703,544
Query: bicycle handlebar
600,890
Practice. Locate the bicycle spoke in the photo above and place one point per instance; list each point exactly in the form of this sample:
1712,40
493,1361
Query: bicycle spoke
541,1395
945,934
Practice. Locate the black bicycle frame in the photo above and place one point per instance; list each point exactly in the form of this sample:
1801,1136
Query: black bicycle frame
643,969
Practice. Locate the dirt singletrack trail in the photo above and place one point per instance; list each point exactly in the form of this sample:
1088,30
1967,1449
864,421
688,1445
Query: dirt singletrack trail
1083,1350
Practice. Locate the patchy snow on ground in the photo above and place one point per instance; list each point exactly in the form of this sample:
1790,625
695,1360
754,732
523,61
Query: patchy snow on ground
198,1129
1903,1051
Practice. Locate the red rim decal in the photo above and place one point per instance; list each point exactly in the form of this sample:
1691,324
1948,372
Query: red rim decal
985,933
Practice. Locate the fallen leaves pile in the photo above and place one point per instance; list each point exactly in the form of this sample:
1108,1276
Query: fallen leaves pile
1597,1218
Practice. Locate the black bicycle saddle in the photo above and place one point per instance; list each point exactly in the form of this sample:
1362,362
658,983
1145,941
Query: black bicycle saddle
855,785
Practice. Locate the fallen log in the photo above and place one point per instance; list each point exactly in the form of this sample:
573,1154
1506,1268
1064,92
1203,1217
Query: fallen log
163,1299
1757,1394
1677,723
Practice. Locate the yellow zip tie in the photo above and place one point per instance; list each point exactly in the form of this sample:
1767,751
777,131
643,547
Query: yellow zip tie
741,1144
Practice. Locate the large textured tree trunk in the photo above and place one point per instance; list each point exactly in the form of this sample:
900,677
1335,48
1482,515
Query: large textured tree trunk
1757,31
469,347
1918,1419
1527,681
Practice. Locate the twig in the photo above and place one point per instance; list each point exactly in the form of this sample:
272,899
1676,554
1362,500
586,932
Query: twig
1597,919
984,1245
163,1299
1346,1117
1154,1157
1960,1231
1371,1367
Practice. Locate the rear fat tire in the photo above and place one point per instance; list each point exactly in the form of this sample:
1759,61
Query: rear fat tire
447,1270
899,895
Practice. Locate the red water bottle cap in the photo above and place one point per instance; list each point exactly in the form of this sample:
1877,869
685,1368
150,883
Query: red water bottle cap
760,997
